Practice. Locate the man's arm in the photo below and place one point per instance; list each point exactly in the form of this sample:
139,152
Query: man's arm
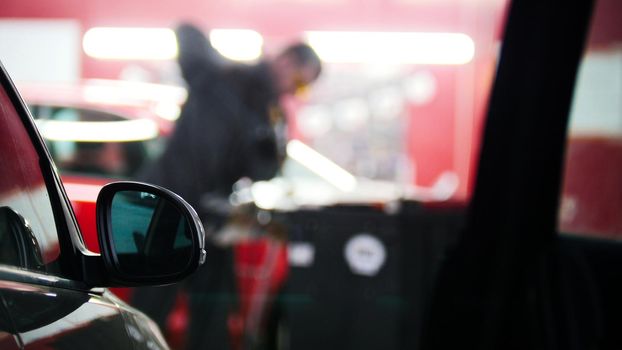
196,55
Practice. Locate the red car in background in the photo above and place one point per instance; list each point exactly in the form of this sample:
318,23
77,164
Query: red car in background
100,130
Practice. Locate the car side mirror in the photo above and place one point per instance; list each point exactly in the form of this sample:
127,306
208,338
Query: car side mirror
148,235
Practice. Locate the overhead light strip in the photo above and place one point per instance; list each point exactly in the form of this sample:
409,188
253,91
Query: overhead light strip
392,47
130,43
161,43
113,131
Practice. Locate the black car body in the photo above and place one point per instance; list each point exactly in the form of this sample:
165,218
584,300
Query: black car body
52,289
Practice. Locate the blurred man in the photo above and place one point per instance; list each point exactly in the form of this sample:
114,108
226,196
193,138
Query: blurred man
228,130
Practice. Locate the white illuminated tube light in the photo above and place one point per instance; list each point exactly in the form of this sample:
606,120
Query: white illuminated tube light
130,43
117,131
321,166
161,43
392,47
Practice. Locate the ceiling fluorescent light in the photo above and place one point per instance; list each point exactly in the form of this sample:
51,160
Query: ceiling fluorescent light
392,47
161,43
130,43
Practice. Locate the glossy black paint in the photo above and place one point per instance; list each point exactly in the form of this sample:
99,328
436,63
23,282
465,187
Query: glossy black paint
57,306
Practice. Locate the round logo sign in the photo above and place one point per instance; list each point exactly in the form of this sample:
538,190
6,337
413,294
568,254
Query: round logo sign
365,254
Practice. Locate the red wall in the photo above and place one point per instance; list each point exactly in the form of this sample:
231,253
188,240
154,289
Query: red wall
442,135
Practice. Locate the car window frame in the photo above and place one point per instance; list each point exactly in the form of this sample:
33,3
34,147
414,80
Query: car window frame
510,234
74,258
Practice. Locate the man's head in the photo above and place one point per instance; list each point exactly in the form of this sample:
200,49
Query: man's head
295,68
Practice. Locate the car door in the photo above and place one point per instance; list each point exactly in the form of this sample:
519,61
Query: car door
44,303
7,338
514,281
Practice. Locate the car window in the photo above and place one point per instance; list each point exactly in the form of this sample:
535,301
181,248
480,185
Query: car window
591,202
28,236
92,142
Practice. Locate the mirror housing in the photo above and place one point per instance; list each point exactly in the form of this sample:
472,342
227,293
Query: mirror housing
147,234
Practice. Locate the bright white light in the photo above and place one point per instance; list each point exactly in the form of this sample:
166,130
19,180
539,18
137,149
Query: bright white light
387,103
321,166
237,44
161,43
168,110
314,121
267,195
392,47
352,114
130,43
118,131
421,87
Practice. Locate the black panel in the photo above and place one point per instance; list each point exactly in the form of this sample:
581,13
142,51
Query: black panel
329,305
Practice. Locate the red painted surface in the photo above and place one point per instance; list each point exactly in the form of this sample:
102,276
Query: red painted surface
431,130
592,192
20,161
261,269
82,192
606,26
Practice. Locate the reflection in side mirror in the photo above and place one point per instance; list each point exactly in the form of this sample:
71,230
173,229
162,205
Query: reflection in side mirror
148,234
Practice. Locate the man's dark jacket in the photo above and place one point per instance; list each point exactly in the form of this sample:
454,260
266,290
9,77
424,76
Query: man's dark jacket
224,131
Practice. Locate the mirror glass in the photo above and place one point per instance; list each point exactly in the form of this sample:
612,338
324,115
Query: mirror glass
151,237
